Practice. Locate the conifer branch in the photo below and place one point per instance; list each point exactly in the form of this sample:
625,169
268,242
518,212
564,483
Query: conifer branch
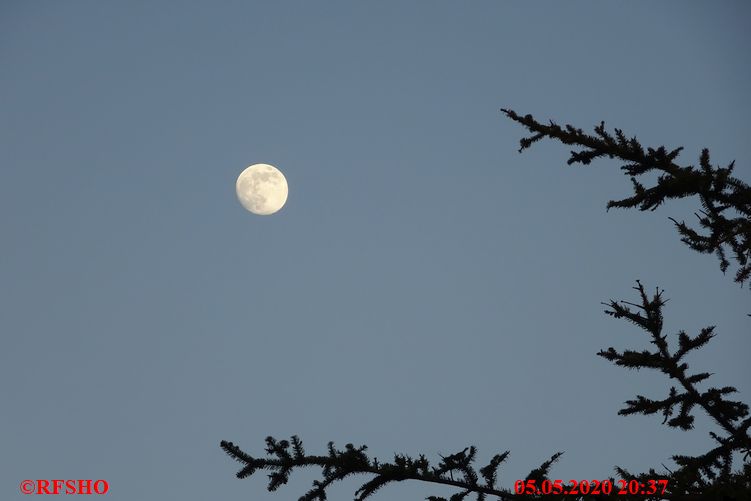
717,190
341,464
700,472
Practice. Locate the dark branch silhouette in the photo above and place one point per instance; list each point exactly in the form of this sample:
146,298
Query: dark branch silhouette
717,190
340,464
707,476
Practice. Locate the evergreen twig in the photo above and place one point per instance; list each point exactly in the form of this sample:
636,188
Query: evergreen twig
699,473
717,190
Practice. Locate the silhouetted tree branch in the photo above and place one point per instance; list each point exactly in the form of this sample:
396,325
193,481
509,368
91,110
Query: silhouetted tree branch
340,464
717,190
697,474
707,476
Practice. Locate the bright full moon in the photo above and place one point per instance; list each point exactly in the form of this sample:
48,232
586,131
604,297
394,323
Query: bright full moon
262,189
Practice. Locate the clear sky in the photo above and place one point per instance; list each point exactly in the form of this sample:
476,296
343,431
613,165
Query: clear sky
425,288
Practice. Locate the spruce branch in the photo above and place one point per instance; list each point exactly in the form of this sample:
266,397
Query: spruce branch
717,190
696,473
340,464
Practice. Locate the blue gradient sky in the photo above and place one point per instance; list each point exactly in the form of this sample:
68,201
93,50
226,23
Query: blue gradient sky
425,287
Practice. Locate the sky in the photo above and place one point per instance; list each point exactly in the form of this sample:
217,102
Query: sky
425,287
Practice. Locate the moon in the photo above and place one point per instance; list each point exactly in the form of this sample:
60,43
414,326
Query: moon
262,189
